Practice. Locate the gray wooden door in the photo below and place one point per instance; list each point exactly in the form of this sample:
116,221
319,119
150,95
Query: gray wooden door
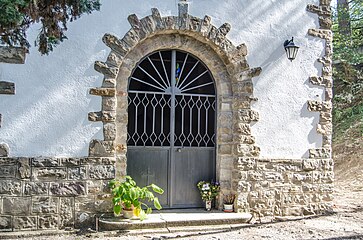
171,126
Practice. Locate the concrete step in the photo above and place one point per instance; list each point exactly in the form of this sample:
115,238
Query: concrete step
176,220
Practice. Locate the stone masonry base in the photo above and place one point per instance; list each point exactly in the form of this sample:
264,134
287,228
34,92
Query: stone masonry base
284,187
59,193
53,193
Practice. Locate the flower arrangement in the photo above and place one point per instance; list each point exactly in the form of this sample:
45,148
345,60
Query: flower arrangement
208,190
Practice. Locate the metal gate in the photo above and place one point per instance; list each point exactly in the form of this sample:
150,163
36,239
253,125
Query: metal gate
171,126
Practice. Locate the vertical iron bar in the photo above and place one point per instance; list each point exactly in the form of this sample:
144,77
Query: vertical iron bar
162,122
191,122
182,122
172,124
199,120
136,109
206,120
153,143
145,119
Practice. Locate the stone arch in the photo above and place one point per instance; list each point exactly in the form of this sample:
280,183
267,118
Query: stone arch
227,63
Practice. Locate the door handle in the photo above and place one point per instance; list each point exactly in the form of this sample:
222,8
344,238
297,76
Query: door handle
179,150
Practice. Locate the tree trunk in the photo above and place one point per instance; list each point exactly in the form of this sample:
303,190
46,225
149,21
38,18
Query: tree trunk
344,17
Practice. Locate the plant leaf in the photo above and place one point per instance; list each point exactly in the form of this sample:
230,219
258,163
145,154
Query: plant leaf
133,194
157,204
157,189
117,209
142,215
112,183
148,210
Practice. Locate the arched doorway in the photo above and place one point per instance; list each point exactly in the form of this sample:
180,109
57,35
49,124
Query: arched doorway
171,125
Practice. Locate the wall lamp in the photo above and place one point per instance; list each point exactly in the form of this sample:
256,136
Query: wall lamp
291,49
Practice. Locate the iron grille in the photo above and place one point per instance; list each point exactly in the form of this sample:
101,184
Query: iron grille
171,101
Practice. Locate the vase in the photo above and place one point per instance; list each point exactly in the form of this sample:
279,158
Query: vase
228,207
128,213
208,205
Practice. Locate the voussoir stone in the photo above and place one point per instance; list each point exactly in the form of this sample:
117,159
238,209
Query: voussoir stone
105,69
115,44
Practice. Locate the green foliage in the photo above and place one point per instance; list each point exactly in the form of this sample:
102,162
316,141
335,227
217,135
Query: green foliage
348,45
53,15
344,119
128,195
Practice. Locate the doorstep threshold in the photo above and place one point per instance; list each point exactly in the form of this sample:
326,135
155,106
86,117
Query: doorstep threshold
175,220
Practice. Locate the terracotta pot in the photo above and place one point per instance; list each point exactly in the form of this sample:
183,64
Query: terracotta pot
228,207
129,213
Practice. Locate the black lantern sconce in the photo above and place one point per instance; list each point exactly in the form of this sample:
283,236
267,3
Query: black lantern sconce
291,49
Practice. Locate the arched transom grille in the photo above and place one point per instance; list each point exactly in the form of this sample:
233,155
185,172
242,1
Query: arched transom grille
172,102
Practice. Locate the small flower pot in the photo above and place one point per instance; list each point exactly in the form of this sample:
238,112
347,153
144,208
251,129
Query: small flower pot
128,213
208,205
228,207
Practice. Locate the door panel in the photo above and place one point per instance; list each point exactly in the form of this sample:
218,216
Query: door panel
148,166
191,166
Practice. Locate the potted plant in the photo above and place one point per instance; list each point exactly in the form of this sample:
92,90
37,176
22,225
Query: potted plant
127,197
228,201
208,191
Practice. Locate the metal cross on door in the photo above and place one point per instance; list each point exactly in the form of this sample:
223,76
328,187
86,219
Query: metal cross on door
171,126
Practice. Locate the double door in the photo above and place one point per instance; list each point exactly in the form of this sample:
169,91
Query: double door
171,126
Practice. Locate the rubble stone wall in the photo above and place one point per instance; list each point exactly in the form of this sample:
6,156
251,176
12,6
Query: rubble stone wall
285,187
53,193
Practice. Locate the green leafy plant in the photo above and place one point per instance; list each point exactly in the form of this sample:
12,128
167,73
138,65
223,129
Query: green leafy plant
208,190
127,195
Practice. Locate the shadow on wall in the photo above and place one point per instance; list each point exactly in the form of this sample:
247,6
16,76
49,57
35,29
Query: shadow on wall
305,113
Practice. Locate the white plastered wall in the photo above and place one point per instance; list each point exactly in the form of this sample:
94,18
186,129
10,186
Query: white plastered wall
48,114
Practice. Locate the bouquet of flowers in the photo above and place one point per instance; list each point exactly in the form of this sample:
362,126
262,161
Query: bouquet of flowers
208,190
